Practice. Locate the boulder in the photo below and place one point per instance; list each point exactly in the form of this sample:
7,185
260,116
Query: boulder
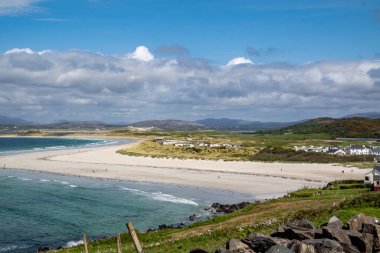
334,222
281,241
43,249
295,234
279,249
258,242
236,246
364,242
348,248
356,222
299,247
373,229
336,234
300,225
324,245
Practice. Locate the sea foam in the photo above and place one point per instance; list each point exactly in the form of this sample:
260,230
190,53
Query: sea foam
159,196
10,248
73,243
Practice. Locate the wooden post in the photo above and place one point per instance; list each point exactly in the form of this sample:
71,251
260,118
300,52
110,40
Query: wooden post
118,244
135,239
85,243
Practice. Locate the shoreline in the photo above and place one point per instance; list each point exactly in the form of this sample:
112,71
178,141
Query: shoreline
261,180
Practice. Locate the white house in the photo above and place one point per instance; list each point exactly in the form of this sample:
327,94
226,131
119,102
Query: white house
336,151
375,150
358,150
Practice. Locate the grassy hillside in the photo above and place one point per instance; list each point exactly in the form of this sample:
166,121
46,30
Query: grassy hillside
349,127
342,199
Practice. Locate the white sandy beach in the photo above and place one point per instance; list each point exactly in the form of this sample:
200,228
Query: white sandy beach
263,180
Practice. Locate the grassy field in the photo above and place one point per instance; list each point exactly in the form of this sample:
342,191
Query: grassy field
256,147
342,199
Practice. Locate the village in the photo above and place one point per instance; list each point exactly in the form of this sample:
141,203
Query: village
192,144
342,150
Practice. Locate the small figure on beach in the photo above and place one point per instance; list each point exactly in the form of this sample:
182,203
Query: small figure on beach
93,171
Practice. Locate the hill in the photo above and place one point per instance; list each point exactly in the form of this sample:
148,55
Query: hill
237,124
13,121
345,128
169,124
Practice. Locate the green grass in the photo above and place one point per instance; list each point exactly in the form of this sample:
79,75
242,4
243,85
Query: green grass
317,205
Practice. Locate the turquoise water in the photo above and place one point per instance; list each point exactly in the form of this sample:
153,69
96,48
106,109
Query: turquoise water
17,144
43,209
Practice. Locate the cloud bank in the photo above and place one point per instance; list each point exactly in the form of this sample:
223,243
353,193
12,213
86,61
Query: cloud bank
78,85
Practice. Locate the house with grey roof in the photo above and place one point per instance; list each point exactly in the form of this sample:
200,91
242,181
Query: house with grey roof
358,150
375,150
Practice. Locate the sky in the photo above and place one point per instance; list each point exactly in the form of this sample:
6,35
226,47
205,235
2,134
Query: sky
129,60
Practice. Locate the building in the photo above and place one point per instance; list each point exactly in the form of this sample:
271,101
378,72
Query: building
375,150
373,177
358,150
336,151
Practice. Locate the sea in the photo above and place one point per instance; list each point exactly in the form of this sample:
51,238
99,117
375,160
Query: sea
50,210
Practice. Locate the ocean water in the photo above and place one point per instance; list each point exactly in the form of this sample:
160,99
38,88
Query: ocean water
23,144
44,209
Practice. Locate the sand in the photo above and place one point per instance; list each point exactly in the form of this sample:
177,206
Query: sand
261,180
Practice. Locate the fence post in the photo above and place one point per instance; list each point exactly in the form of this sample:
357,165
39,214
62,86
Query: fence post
118,244
135,239
85,243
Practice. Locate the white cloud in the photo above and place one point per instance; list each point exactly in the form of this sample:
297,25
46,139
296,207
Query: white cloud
141,53
78,85
10,7
27,51
238,60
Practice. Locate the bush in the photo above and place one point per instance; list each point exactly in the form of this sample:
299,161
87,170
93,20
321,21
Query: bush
282,154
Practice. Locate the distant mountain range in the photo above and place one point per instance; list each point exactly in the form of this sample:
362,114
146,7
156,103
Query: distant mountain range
306,126
13,121
170,124
236,124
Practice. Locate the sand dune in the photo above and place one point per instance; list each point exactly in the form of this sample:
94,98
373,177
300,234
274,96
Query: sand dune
263,180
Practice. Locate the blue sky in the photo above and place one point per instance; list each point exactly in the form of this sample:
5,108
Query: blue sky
272,31
124,61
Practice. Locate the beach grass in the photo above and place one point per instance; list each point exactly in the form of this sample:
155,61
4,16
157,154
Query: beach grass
317,205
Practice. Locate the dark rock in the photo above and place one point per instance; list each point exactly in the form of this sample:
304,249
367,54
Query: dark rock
348,248
198,251
279,249
258,243
281,241
364,242
192,217
318,233
220,208
236,246
324,246
336,234
300,225
295,234
43,249
373,229
356,222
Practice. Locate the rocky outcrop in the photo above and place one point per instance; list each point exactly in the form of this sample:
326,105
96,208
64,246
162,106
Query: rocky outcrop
220,208
359,235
